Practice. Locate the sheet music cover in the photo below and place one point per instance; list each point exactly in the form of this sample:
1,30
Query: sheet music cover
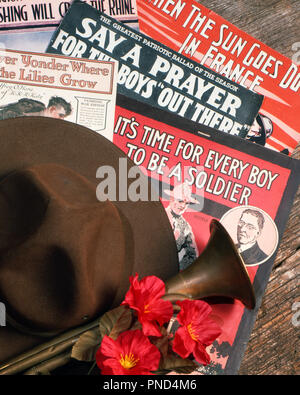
248,188
77,90
202,35
153,73
29,24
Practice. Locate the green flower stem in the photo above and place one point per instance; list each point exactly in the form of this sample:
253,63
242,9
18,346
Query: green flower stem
92,368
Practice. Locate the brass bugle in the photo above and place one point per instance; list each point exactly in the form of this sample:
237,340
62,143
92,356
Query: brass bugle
218,271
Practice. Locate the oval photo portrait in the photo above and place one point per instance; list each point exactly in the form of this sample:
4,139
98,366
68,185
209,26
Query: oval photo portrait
253,232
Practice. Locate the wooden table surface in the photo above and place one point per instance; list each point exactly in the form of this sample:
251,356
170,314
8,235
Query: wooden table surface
273,348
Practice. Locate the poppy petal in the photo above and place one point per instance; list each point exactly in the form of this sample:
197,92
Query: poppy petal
208,332
150,328
131,353
144,297
161,311
201,355
183,345
155,284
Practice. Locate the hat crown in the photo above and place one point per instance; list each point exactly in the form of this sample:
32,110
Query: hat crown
50,264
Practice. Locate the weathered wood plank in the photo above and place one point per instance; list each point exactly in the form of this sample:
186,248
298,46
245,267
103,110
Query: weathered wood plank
274,344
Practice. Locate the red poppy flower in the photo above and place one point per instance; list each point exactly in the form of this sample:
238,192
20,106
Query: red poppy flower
196,332
131,354
145,297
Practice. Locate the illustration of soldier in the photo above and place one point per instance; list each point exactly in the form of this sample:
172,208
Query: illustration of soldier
180,199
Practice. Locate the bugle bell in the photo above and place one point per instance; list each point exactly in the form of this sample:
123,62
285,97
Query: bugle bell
218,271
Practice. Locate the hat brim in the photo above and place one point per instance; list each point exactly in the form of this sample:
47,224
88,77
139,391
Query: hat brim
29,141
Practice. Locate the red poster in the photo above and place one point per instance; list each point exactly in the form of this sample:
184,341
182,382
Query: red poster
199,33
241,184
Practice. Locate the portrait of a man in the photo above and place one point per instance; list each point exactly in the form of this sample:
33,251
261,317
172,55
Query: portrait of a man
249,228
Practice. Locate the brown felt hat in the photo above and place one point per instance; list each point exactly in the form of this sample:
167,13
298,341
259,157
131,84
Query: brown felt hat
66,255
